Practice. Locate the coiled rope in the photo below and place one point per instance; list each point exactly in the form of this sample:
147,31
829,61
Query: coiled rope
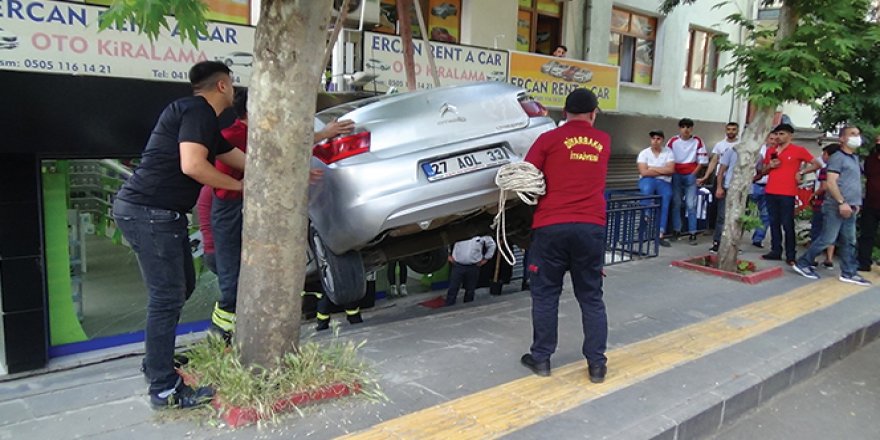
528,183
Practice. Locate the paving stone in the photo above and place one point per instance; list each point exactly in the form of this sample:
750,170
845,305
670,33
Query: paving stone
14,411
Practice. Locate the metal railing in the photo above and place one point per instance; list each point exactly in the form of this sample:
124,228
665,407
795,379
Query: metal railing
632,226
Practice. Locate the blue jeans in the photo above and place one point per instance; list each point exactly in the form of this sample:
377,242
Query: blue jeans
836,229
758,196
684,186
577,248
226,220
160,240
650,186
817,222
466,274
781,209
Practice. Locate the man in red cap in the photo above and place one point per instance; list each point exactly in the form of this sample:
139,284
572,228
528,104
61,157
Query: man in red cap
569,233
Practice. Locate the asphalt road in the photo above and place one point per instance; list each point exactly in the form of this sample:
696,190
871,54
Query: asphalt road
841,402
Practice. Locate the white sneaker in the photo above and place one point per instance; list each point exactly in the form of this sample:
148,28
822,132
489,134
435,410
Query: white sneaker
403,291
855,279
392,291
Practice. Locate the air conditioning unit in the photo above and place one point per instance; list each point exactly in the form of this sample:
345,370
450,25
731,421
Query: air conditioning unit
369,8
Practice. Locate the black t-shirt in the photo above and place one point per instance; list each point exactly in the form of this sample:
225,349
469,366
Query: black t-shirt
158,181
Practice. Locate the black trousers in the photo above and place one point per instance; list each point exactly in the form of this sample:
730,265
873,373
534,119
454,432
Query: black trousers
781,210
868,221
462,274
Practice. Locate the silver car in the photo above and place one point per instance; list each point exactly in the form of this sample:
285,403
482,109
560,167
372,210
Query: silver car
415,176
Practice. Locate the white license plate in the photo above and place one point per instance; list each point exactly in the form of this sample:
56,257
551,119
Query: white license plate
466,163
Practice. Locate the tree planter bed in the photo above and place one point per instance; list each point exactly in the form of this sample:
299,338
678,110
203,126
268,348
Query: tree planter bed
708,264
238,416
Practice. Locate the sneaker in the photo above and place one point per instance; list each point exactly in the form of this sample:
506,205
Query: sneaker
771,257
807,272
181,396
402,290
714,248
855,279
541,368
392,291
597,373
758,244
692,239
828,265
665,243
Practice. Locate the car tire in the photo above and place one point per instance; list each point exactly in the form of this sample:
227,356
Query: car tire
342,276
427,262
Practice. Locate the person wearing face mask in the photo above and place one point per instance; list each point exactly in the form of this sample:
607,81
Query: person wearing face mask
870,215
842,202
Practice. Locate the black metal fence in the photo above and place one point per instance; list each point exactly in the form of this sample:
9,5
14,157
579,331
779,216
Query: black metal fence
633,226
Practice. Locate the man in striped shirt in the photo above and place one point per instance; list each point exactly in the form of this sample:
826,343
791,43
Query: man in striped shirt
689,153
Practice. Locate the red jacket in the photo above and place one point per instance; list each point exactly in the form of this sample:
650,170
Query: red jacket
574,160
236,134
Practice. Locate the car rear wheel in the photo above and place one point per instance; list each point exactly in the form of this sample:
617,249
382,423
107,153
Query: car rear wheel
342,276
427,262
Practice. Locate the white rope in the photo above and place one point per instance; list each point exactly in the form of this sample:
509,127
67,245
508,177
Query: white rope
528,182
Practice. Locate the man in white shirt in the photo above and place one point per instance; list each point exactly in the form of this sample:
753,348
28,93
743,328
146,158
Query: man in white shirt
731,131
656,166
466,258
690,154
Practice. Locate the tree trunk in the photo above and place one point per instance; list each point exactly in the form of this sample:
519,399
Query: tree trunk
738,193
752,138
290,39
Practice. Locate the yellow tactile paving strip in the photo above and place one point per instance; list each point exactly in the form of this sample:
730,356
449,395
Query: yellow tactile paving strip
508,407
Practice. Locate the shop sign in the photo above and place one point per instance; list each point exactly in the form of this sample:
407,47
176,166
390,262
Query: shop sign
551,79
456,64
62,38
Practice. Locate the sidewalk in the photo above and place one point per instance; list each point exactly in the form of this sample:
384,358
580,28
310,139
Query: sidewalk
687,352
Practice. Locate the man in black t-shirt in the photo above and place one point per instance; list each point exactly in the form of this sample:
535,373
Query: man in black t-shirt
151,209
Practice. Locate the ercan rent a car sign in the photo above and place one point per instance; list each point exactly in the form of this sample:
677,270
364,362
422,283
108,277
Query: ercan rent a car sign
62,38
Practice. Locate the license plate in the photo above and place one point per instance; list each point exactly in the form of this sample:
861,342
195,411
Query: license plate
466,163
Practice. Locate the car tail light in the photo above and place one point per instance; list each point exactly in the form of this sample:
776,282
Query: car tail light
533,108
336,149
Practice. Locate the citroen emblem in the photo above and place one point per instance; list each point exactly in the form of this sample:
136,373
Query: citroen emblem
448,108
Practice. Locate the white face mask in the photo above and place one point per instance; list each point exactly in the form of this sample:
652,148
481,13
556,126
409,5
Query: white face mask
854,141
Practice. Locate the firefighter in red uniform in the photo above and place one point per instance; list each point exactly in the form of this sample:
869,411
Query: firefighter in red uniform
569,233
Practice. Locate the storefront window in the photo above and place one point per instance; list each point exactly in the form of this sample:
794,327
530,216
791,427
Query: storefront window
96,293
632,45
538,26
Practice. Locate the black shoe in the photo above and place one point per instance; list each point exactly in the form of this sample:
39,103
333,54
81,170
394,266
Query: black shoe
540,368
354,319
771,257
758,245
524,286
864,268
220,333
692,239
323,324
676,235
597,373
183,396
714,248
467,300
665,243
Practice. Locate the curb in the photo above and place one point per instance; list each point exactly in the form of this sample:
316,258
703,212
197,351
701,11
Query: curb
237,416
753,278
707,413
